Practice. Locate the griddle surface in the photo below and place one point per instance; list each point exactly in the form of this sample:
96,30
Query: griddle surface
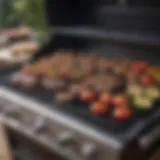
122,130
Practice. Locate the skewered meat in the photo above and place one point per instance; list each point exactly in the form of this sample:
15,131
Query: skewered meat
147,80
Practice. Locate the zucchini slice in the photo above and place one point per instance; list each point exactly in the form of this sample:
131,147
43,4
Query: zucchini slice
134,90
153,93
141,102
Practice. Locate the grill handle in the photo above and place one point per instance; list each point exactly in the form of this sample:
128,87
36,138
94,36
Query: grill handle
150,138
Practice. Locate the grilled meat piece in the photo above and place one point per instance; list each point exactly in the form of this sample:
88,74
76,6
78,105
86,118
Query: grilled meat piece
64,97
53,84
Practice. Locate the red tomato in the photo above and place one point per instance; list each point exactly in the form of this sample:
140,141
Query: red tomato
105,98
99,108
147,80
138,67
122,113
88,95
120,100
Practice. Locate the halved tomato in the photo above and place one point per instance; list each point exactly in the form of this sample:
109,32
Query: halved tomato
105,98
120,100
122,113
88,95
99,108
147,80
138,67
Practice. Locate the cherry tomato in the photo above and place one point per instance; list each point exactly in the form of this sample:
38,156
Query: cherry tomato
88,95
105,98
120,101
99,108
138,67
147,80
122,113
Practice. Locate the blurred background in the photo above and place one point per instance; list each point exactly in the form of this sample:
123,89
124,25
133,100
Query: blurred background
18,12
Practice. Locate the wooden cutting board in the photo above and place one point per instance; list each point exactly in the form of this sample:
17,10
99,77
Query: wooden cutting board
5,150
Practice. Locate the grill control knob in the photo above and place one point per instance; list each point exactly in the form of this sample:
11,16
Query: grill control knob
66,138
89,151
39,125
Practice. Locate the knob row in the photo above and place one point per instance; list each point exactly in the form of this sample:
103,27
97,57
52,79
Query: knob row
37,126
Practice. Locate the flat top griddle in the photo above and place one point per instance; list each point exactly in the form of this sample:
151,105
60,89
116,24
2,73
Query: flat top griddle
100,42
128,130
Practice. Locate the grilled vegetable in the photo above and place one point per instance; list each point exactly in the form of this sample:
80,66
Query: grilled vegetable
155,72
153,93
134,89
88,95
99,108
105,98
122,113
142,102
139,67
147,80
120,100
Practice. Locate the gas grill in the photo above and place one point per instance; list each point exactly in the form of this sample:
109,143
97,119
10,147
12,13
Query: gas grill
69,130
